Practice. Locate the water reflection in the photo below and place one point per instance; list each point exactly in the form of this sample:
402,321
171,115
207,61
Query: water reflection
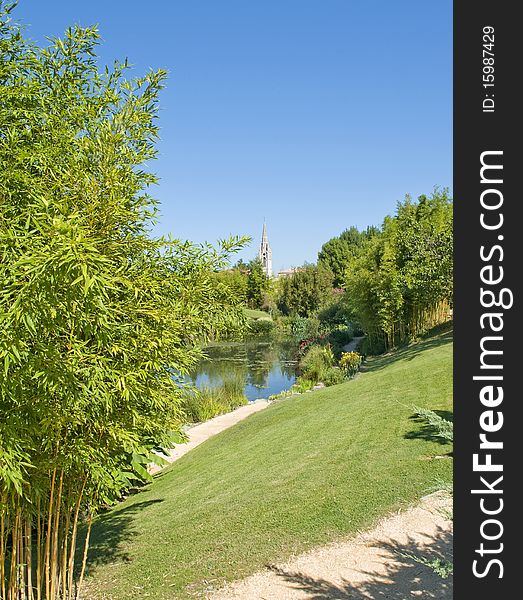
266,366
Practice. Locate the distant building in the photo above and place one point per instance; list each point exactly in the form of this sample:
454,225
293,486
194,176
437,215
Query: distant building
289,272
265,253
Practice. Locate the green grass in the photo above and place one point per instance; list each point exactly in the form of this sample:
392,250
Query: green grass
303,472
256,314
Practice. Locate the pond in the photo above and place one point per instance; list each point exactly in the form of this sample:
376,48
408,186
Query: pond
265,366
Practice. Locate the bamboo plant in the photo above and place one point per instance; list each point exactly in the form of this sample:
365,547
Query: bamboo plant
96,316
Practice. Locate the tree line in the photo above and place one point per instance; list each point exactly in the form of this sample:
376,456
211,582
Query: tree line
398,279
394,282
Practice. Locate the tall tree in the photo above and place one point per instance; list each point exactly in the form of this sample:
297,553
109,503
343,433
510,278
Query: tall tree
96,316
257,284
337,253
304,292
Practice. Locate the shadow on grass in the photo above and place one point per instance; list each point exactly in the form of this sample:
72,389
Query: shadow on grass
429,432
109,536
403,575
408,353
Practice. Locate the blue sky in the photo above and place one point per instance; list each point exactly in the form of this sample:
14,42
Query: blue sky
315,114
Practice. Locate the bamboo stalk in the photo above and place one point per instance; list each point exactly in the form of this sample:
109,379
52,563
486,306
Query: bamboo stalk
21,562
70,568
29,555
84,558
2,548
39,556
56,527
12,590
48,537
64,550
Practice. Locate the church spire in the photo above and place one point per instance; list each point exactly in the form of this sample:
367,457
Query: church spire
265,253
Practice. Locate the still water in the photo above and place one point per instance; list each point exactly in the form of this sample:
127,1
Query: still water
266,366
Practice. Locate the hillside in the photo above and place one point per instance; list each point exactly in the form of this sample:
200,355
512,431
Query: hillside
303,472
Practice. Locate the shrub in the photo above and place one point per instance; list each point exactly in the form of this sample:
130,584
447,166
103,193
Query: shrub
283,324
350,362
260,327
335,313
316,362
357,331
333,376
303,328
302,385
443,428
305,291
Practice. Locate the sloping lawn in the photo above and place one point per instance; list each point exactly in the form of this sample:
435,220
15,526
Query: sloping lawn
301,473
257,314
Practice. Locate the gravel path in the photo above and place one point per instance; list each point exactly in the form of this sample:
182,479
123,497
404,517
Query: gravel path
203,431
371,566
353,344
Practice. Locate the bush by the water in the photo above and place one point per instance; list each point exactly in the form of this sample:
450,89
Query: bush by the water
303,328
333,376
208,402
260,327
316,362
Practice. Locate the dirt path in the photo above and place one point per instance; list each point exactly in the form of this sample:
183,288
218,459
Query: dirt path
353,344
203,431
371,566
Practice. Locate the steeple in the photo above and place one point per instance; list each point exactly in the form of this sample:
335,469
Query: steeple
265,253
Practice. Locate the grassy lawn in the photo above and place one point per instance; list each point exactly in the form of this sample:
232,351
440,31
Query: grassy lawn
301,473
257,314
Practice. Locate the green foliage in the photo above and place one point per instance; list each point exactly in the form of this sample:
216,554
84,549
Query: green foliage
401,283
337,253
333,376
338,338
257,284
304,328
315,363
350,363
306,291
208,402
300,386
236,280
262,327
336,312
442,567
443,427
96,316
